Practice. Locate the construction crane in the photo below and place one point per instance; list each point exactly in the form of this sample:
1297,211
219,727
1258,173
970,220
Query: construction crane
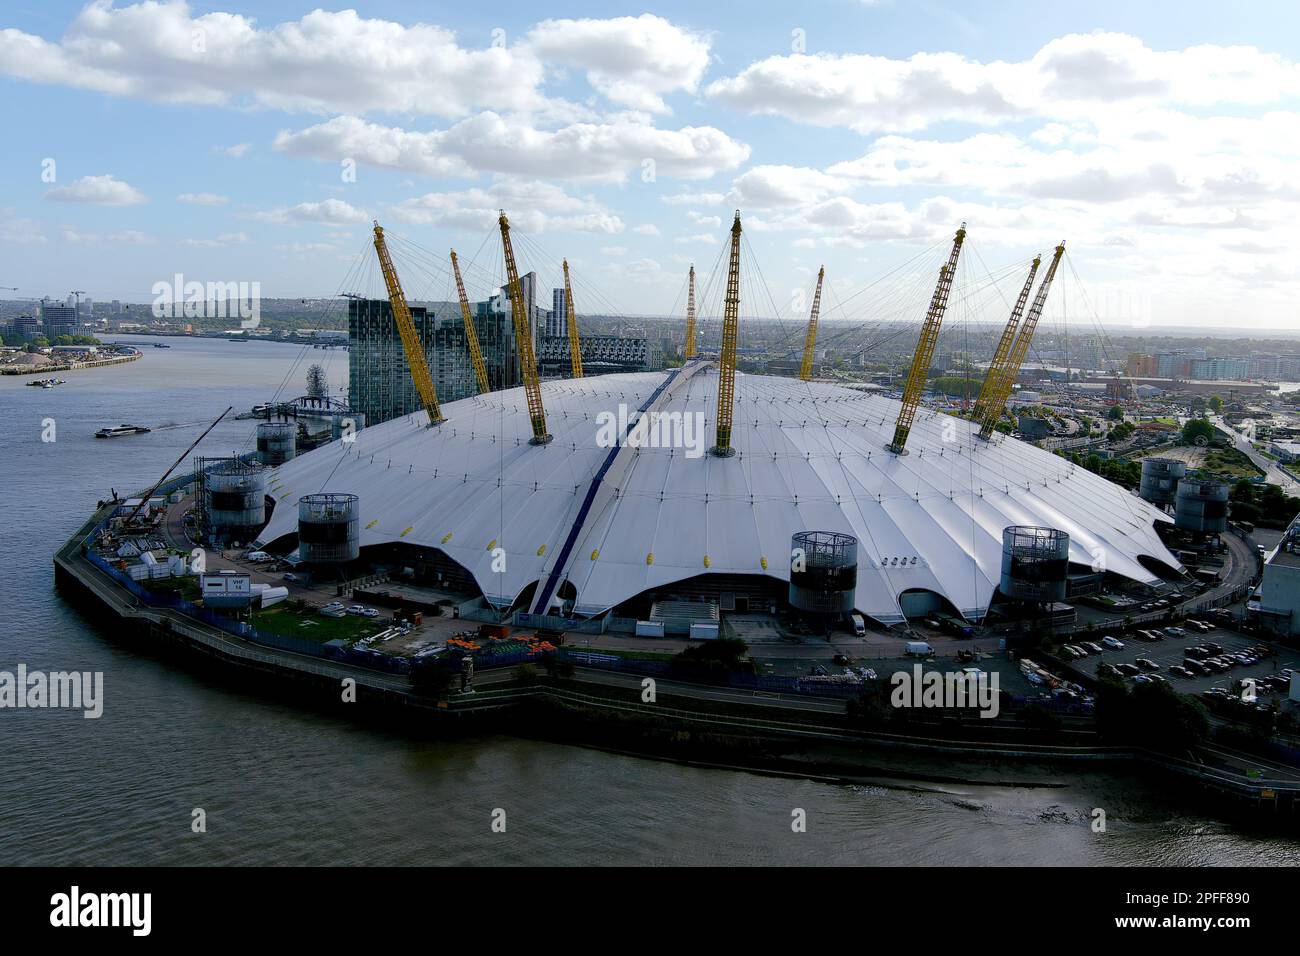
998,401
727,359
571,320
916,377
415,359
158,484
471,333
689,352
524,339
810,340
1003,351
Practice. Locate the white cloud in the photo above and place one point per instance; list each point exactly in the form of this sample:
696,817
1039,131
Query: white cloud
608,151
643,271
217,242
326,61
20,231
699,219
238,150
767,187
333,212
531,206
632,61
127,237
1074,75
646,229
99,190
203,199
340,61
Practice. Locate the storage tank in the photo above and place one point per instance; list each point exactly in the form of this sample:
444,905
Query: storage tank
1201,506
329,528
234,498
277,442
823,571
1035,563
1160,477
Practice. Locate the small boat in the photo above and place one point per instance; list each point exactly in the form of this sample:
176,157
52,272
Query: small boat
46,383
120,430
161,345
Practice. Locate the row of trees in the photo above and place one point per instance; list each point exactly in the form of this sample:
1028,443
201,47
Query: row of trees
1266,505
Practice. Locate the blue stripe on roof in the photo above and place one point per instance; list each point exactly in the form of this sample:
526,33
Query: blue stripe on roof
553,581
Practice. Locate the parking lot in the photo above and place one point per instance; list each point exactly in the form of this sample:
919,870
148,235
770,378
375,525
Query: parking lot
1169,651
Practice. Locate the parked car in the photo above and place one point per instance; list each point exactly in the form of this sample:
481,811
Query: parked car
1195,667
1112,643
1128,670
1178,670
1092,646
1147,664
290,576
1175,632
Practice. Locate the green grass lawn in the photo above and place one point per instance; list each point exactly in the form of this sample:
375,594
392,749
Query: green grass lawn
1229,463
311,626
187,587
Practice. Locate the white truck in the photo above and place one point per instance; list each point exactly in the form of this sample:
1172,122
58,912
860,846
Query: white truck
859,625
918,649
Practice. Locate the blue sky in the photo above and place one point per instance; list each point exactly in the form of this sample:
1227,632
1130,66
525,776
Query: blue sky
1159,138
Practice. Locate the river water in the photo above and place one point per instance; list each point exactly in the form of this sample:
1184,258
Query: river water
280,784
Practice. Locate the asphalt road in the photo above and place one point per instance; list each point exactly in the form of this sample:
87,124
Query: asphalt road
1273,474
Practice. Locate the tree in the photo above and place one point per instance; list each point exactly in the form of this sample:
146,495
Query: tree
317,387
1243,492
1151,715
1216,404
1115,413
1197,431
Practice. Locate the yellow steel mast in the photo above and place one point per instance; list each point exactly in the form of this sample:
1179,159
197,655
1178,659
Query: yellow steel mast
524,339
916,377
810,340
689,352
1003,351
415,359
727,360
998,401
571,320
471,333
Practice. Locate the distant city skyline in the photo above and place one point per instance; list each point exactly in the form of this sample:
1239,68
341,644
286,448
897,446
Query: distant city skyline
250,142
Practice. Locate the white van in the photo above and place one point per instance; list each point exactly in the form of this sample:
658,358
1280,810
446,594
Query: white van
258,556
918,649
859,625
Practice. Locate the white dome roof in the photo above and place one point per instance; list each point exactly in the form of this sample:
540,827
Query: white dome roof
617,521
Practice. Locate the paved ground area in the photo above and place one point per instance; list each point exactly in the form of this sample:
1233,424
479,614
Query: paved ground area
1169,651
